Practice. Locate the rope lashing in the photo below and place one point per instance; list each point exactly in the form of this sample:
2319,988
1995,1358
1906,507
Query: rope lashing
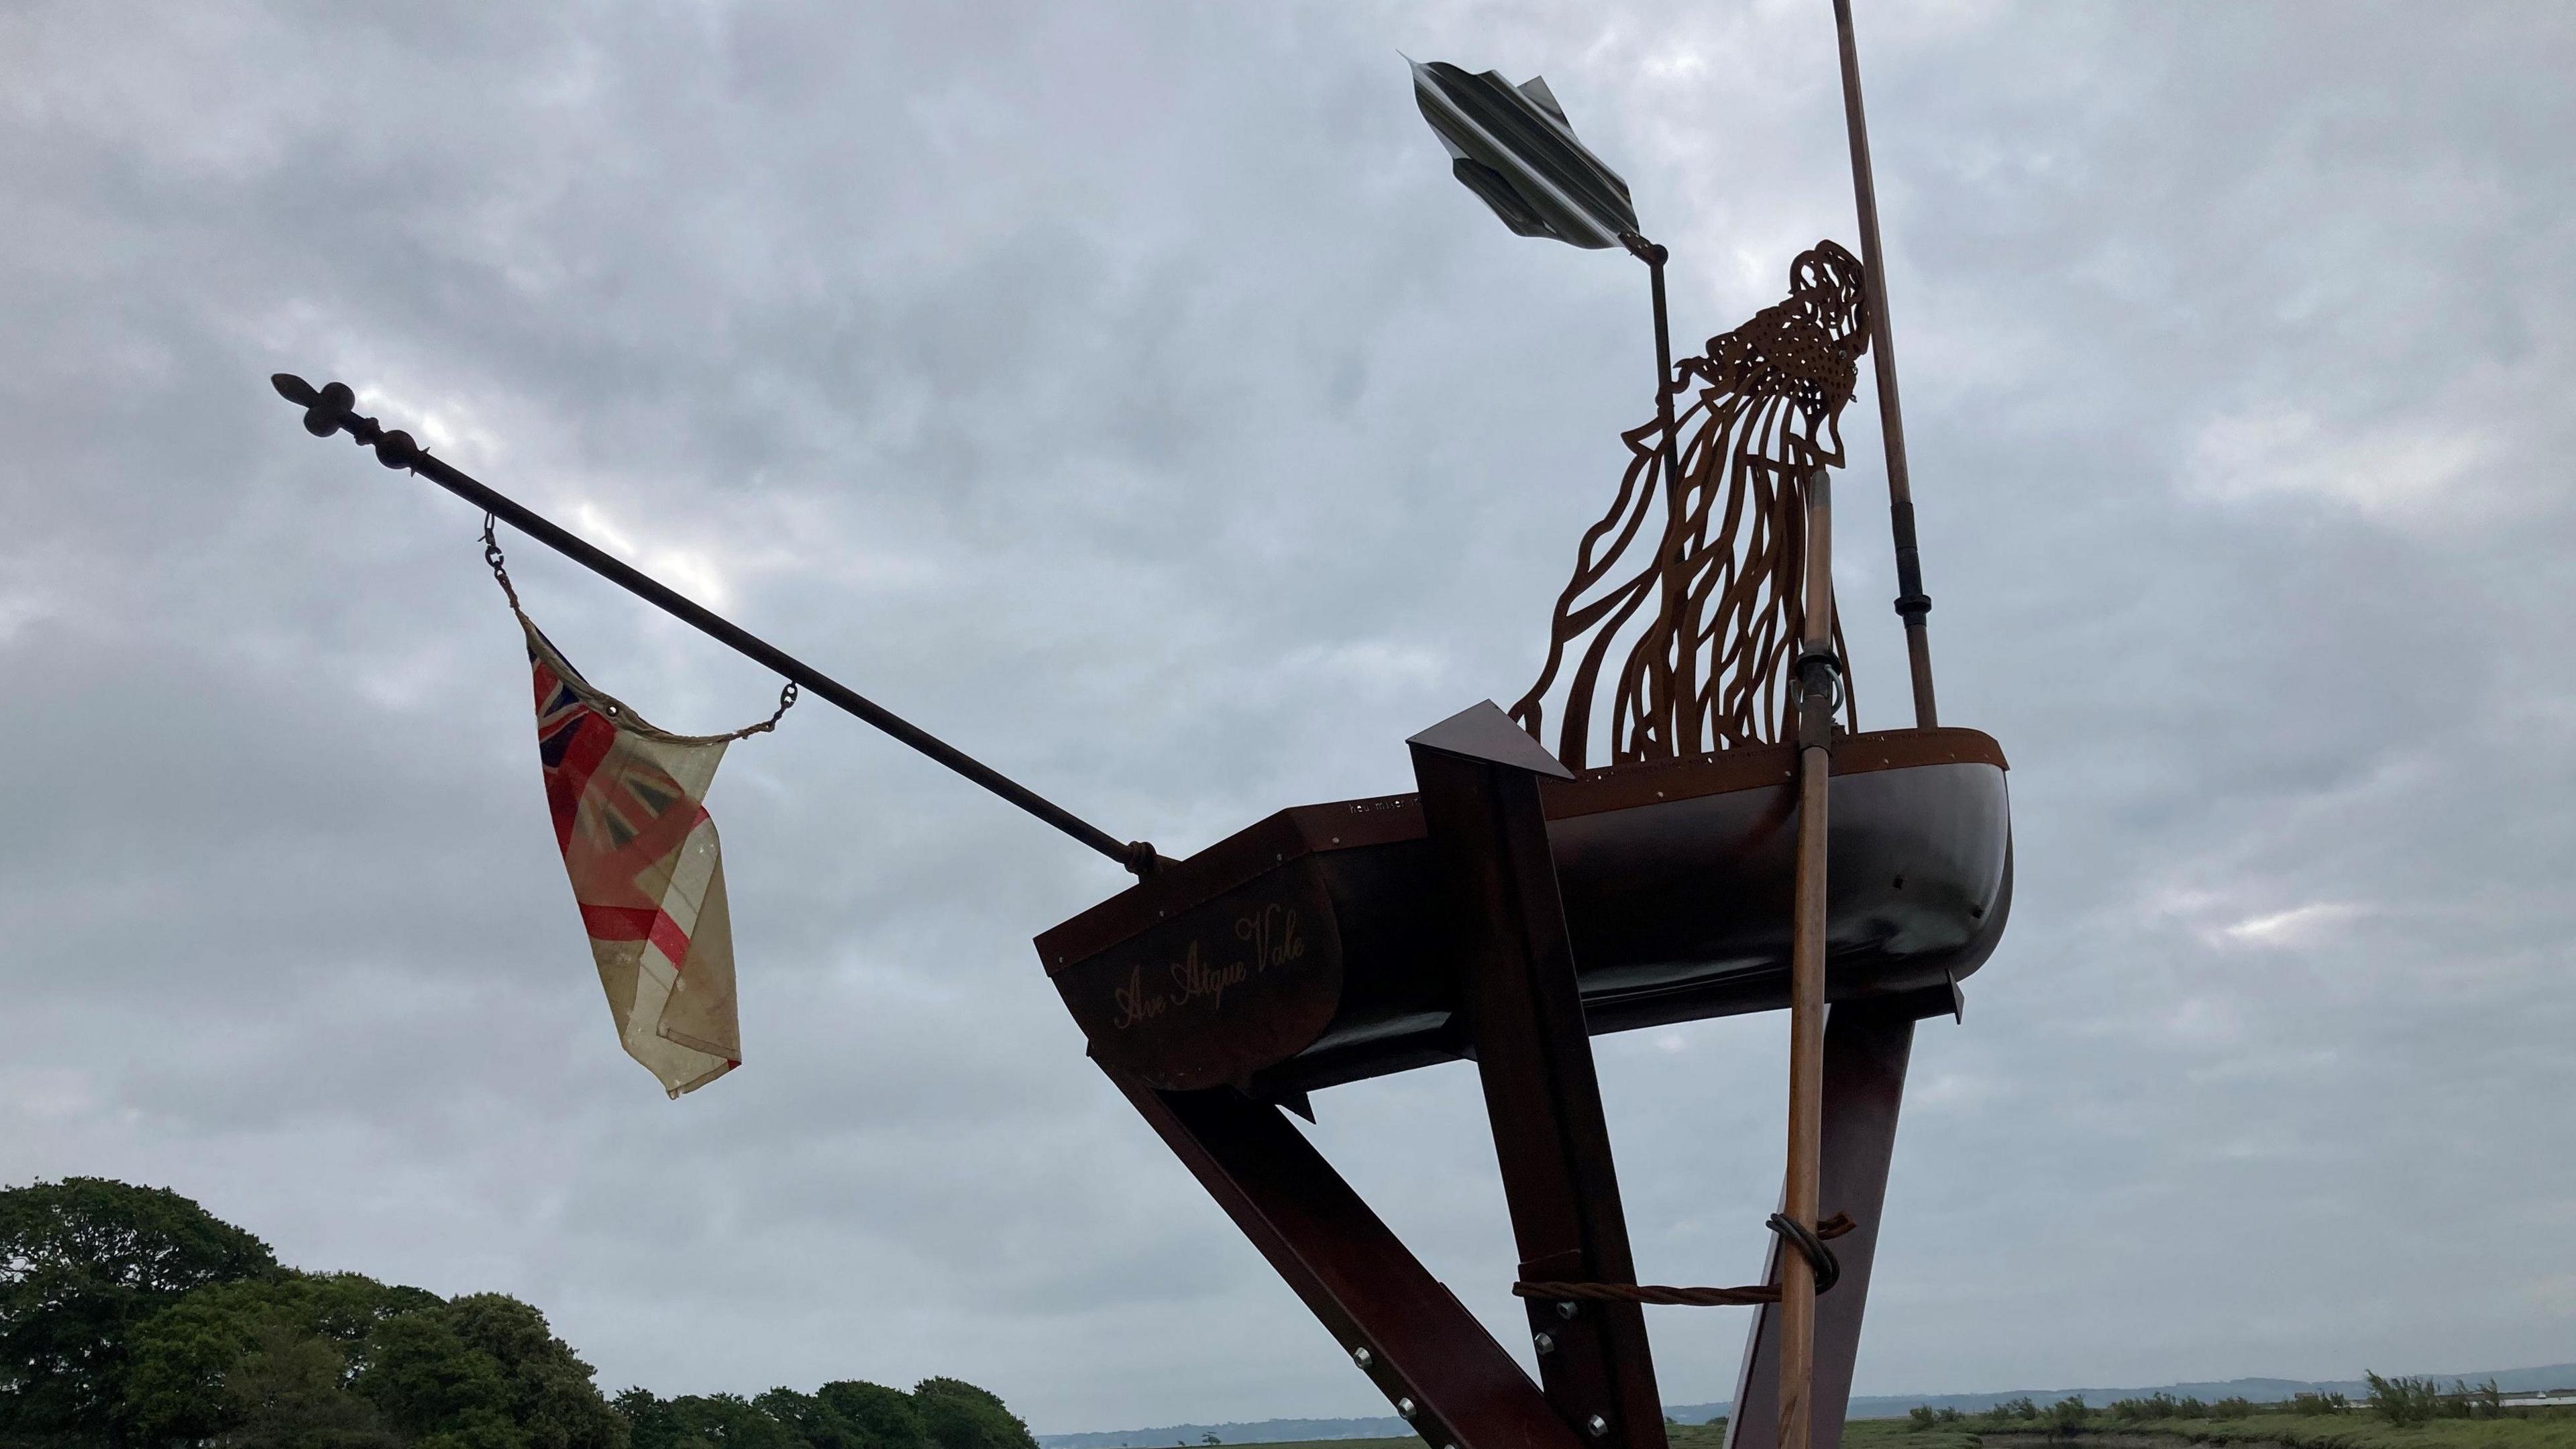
1810,1245
1828,1269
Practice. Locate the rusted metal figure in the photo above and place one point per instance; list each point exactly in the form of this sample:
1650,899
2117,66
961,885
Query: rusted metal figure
1700,617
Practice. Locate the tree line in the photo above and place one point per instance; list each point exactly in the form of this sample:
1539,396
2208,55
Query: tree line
132,1318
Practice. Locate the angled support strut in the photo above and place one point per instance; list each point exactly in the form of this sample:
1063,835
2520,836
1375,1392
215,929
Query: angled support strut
1479,777
1430,1357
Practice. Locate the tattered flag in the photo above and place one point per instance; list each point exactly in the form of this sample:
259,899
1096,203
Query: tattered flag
646,870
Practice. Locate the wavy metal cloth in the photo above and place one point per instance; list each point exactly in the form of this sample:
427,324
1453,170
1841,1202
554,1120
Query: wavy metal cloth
1699,620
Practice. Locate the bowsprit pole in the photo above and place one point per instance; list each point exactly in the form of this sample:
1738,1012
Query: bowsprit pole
1911,602
330,409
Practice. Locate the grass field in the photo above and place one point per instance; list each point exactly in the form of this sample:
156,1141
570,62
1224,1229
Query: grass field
2358,1430
1861,1433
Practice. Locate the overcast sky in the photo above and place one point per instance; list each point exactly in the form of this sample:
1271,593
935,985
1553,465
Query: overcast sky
1127,393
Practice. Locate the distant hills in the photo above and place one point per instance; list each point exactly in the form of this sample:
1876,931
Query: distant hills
1863,1406
1267,1431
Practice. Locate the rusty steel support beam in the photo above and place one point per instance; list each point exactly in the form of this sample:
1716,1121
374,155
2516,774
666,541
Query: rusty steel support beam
1429,1356
1479,777
1865,1053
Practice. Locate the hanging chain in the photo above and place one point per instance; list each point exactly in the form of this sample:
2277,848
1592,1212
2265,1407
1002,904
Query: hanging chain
499,566
492,557
786,701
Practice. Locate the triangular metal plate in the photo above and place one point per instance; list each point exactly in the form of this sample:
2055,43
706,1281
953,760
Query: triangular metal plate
1483,732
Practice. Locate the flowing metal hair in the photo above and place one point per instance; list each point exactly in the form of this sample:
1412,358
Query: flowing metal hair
1704,631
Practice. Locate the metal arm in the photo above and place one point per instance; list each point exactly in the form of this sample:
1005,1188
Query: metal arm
329,409
1673,671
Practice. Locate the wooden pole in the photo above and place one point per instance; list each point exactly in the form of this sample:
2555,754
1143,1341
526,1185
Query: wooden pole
1912,604
1817,674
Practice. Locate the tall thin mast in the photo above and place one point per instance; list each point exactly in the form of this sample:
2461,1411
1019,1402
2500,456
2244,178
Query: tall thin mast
1911,602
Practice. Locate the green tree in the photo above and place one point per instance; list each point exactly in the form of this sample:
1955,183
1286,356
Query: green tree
290,1391
2066,1417
2404,1402
132,1318
880,1417
2010,1412
483,1371
179,1359
551,1393
806,1419
649,1421
428,1380
2473,1401
958,1415
2158,1405
705,1421
83,1261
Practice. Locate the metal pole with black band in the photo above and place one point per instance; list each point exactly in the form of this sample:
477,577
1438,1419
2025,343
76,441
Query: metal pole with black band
1911,602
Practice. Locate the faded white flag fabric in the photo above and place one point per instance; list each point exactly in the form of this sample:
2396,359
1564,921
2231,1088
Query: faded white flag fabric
647,871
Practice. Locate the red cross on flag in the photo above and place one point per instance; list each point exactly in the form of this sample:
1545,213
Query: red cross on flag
646,870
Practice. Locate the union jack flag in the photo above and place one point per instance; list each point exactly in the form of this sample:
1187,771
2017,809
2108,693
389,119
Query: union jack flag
646,871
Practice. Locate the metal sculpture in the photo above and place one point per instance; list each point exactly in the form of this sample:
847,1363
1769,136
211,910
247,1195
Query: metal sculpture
1737,852
1702,627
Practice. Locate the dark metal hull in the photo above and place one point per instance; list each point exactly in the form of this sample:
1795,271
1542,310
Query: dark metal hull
1303,951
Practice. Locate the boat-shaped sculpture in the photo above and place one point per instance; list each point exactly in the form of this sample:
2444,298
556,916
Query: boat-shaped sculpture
1294,954
1741,846
1298,953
